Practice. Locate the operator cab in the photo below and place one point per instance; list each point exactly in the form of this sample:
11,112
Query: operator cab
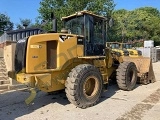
127,46
92,27
113,45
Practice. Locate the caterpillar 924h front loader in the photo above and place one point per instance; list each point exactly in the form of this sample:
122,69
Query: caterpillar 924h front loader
76,60
124,49
132,50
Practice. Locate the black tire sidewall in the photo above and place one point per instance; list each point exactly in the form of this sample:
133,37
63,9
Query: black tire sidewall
131,84
123,75
82,78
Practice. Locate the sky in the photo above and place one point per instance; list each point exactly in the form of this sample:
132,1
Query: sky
133,4
23,9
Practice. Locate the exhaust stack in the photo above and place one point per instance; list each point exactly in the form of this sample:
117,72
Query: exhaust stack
54,22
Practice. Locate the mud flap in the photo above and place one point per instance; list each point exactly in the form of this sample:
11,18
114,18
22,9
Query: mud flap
31,97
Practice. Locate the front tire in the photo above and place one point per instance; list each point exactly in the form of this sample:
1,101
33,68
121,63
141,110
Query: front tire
84,85
126,76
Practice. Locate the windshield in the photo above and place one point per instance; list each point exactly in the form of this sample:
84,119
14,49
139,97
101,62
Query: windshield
114,46
127,46
75,25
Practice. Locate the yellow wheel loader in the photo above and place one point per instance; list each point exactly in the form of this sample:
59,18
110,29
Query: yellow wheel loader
77,60
117,48
124,49
132,51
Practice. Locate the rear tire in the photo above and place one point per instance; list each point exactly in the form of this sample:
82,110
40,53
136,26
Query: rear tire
84,85
126,76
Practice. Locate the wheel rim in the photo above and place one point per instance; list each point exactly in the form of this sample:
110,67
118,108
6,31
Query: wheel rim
90,86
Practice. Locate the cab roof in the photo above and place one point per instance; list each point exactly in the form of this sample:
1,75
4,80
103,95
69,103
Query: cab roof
80,13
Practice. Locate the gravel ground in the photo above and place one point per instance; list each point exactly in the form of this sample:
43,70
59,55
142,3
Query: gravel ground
143,103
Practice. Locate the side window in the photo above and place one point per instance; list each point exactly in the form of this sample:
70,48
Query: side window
98,32
87,31
89,24
75,25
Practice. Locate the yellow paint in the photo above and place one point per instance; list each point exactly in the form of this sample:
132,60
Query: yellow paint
80,49
31,97
132,52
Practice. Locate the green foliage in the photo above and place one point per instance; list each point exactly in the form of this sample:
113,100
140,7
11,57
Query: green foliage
5,23
28,24
63,8
141,23
24,23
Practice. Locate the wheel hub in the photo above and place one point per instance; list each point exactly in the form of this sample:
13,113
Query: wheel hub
90,86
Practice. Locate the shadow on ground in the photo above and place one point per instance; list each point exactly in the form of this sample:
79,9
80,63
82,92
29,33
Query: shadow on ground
12,104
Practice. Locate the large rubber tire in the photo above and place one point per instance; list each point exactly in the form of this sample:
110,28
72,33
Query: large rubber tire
126,76
84,85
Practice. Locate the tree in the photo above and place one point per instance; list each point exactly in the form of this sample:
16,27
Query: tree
66,7
24,23
141,23
119,30
102,7
5,23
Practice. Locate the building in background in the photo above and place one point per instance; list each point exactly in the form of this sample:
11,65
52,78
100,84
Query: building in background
16,35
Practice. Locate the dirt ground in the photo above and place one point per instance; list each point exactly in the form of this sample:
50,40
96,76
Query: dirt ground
143,103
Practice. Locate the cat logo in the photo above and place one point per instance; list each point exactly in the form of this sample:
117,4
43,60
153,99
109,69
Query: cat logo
62,38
